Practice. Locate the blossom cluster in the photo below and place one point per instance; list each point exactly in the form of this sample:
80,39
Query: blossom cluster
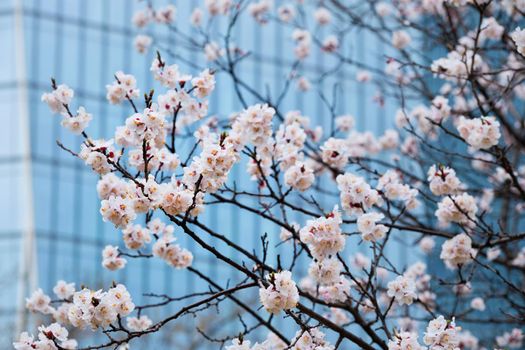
83,308
111,258
312,338
280,294
460,209
324,238
323,235
443,180
457,251
404,341
210,169
124,87
52,337
440,334
357,196
479,133
58,101
391,186
165,249
402,289
309,339
368,227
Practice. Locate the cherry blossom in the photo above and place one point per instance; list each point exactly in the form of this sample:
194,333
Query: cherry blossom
403,290
357,196
400,39
124,86
459,208
323,234
64,290
59,98
111,259
479,133
370,230
52,337
404,341
311,339
518,36
299,176
457,251
441,334
39,302
142,43
281,293
139,324
322,16
513,339
443,180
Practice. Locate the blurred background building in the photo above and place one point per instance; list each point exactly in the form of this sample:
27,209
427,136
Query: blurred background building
50,227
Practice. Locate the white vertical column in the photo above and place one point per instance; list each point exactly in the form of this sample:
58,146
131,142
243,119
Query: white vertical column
27,266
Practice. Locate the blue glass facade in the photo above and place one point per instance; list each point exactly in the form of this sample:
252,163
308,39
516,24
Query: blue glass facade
50,227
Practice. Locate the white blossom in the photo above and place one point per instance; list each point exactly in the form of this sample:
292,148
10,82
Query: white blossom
39,302
345,122
281,293
357,196
142,43
427,244
78,123
363,76
117,210
139,324
203,84
441,335
443,180
513,339
98,308
135,236
479,133
50,337
400,39
124,86
404,341
478,304
212,51
286,13
518,36
196,17
519,260
111,259
323,235
403,290
166,14
218,7
326,271
59,98
172,254
64,290
368,227
260,9
457,251
299,176
336,292
310,339
142,18
461,209
322,16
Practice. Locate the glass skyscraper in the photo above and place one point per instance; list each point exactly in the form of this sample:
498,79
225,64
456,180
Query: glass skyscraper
50,227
